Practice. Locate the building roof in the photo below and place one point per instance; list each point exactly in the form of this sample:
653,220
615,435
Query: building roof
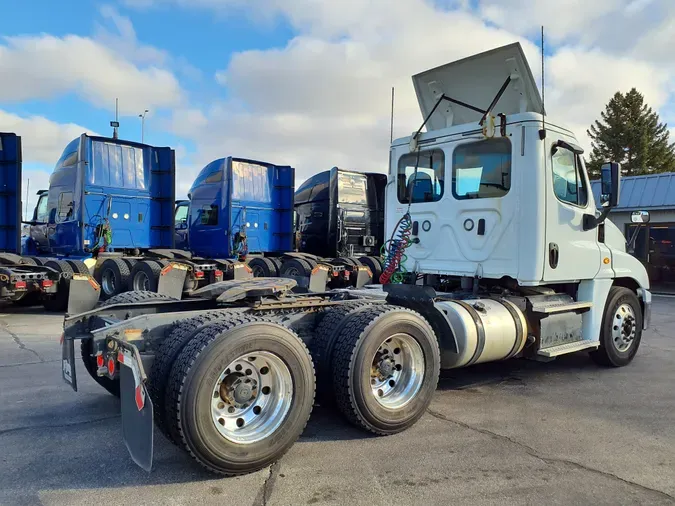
655,191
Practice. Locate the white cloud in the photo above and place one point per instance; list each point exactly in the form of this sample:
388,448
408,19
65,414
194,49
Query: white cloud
42,144
324,98
42,140
45,67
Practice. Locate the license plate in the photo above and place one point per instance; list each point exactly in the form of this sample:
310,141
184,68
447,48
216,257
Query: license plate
68,372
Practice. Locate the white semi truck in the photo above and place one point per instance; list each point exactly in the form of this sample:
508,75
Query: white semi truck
498,252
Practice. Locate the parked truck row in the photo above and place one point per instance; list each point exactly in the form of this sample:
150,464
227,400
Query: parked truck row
109,211
501,251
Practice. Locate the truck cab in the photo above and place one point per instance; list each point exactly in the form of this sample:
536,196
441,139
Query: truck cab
180,219
239,206
497,197
340,213
103,184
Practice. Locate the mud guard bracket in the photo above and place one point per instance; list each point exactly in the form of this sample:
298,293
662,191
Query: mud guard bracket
421,299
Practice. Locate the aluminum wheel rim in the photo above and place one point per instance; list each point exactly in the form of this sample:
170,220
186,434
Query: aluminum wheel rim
252,397
108,282
624,327
258,271
141,281
292,271
397,371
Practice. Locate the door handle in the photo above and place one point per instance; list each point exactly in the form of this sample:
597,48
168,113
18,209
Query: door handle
553,255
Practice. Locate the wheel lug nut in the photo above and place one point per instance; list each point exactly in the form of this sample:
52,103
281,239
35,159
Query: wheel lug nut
221,405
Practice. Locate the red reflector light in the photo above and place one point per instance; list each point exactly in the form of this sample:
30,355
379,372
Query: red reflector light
199,274
46,283
111,366
20,285
336,274
346,274
219,274
99,360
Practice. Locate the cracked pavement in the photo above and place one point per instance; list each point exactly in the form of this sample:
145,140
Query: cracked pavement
516,432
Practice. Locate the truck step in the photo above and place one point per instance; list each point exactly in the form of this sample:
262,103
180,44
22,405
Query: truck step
563,349
564,308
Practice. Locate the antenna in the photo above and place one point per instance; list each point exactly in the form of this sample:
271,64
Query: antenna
542,132
391,128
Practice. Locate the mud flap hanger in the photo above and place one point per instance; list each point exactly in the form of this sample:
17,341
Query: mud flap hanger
484,112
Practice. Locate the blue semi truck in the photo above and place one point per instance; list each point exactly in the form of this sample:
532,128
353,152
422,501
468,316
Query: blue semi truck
110,212
23,280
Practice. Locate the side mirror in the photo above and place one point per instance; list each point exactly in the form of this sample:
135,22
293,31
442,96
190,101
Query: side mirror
182,225
640,217
610,184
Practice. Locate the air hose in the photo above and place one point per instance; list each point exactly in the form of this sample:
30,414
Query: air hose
393,251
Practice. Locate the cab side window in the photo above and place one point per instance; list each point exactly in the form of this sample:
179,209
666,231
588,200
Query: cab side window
569,184
65,209
209,215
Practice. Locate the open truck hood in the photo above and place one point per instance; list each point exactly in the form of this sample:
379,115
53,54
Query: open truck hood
476,81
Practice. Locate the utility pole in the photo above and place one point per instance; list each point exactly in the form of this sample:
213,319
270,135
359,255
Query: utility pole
116,124
25,213
142,116
391,126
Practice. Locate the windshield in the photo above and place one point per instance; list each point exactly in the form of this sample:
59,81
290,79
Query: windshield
181,214
352,188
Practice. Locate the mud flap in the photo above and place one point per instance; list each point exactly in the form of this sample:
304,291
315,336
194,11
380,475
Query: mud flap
363,277
68,372
137,412
172,280
241,271
319,279
83,294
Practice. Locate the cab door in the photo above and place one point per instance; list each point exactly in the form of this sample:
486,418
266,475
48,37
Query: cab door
38,232
572,253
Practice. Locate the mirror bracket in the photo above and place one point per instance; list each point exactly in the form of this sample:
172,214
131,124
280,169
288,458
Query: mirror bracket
590,221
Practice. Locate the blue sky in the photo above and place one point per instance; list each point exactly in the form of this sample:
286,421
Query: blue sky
300,82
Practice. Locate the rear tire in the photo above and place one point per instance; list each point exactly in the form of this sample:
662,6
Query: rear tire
145,276
173,344
136,296
59,300
377,388
296,267
374,265
277,265
262,267
79,267
322,344
113,276
621,330
37,260
29,299
258,432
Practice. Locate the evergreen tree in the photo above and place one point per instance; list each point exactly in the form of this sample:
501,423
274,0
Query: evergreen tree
629,132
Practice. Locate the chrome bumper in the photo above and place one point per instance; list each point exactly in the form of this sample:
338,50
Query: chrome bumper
646,298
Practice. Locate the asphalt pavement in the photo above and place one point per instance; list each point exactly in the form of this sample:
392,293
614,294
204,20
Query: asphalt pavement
516,432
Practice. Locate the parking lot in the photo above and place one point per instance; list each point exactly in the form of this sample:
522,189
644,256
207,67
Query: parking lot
517,432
